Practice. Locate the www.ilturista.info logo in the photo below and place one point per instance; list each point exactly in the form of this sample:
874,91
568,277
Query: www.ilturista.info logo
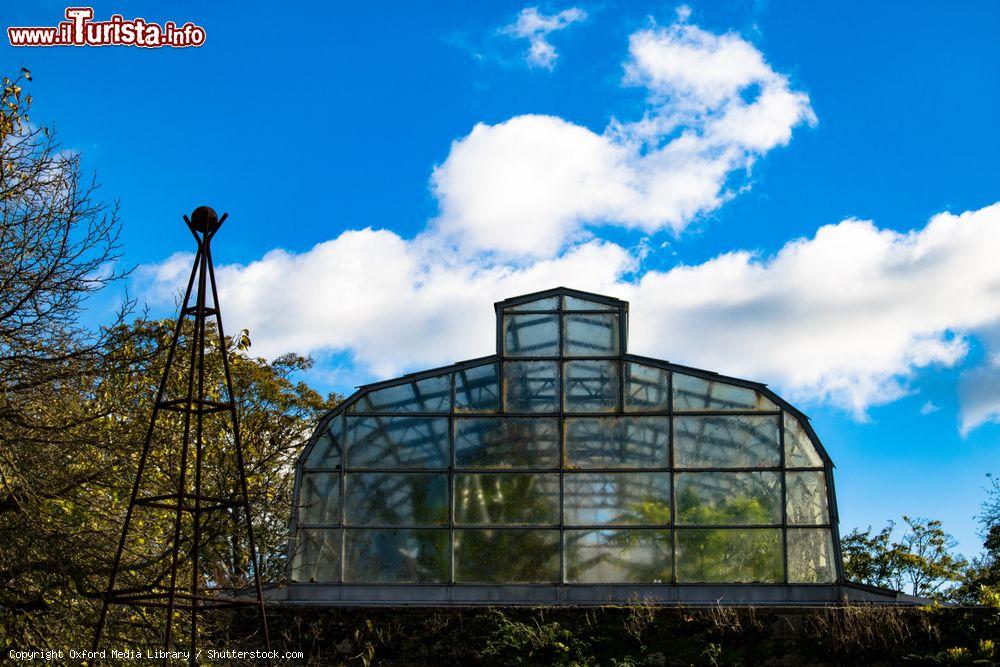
79,29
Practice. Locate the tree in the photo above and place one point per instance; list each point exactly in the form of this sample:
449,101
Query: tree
982,583
869,558
75,404
58,247
61,555
921,562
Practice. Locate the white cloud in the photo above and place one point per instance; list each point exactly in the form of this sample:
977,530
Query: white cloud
847,316
536,27
524,187
392,304
929,408
979,390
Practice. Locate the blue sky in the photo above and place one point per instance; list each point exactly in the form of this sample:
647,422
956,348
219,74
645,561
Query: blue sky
758,179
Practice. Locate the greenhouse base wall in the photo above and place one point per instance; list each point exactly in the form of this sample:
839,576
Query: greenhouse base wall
586,595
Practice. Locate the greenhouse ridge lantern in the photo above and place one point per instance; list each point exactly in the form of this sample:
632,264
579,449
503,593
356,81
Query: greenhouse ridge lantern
562,469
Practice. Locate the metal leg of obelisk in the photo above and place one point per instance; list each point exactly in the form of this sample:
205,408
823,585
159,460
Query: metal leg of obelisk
203,224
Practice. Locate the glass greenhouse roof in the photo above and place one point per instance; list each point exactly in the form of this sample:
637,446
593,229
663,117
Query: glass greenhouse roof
563,466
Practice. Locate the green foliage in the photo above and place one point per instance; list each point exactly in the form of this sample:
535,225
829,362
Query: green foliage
982,581
57,240
639,635
532,643
921,562
60,546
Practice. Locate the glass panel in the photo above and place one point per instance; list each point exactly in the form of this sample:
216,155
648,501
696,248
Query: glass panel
720,555
393,499
326,452
319,498
618,442
728,498
799,449
591,335
646,388
477,389
531,335
806,496
317,556
727,442
390,442
400,556
617,498
498,499
548,303
573,303
428,395
531,386
591,386
810,556
693,393
618,556
506,556
507,442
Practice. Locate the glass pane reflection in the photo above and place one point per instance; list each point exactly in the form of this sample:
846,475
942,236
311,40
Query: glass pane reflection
591,335
646,388
806,495
396,556
694,393
623,498
395,499
617,442
506,556
618,556
531,335
506,442
728,498
721,555
477,389
326,452
736,441
493,499
810,556
316,555
591,386
427,395
403,442
531,386
319,498
799,449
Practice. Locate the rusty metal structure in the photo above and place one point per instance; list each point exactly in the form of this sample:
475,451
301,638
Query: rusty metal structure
196,597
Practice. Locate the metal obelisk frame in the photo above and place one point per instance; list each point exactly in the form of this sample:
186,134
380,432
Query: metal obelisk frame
203,223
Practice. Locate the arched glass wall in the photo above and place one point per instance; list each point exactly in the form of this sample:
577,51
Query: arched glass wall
563,460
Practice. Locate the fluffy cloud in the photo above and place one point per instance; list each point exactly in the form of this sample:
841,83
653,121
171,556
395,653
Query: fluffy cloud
847,316
979,390
392,304
536,27
525,187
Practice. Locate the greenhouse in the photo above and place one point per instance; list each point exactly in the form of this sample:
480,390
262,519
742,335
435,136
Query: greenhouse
562,469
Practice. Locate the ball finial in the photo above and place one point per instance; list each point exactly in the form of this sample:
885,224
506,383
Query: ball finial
204,219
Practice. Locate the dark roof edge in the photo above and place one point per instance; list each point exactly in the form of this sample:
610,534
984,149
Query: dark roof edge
561,291
430,372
